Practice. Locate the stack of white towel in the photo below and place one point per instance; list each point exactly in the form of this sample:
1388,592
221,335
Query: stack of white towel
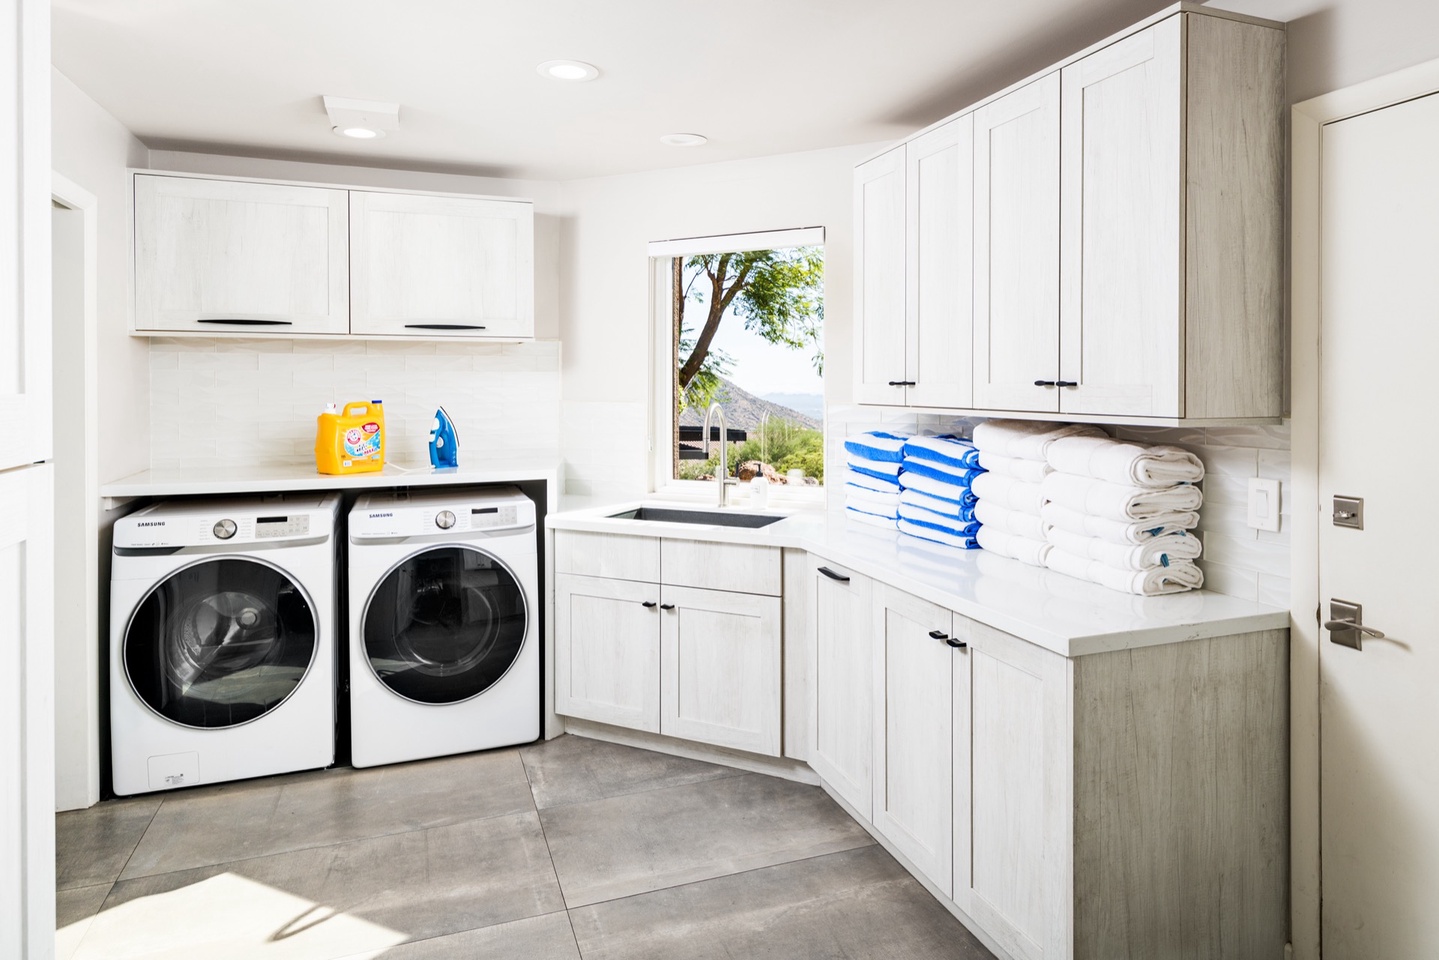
1010,493
1119,514
936,502
871,494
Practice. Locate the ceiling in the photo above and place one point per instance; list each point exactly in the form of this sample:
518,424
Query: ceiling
757,77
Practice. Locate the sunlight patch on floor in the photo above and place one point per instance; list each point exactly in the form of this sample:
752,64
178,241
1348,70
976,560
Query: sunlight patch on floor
226,917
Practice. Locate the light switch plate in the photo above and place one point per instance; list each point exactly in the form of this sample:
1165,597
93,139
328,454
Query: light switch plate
1263,504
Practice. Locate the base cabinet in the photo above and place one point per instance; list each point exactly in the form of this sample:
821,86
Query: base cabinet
841,683
607,656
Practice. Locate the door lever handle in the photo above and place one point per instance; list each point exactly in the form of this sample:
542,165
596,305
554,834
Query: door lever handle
1348,623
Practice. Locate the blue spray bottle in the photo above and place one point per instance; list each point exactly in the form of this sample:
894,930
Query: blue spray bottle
444,442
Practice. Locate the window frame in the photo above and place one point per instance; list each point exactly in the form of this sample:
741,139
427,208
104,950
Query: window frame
662,358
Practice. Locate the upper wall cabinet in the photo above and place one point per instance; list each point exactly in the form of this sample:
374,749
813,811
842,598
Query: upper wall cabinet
231,256
879,278
441,266
1127,219
215,256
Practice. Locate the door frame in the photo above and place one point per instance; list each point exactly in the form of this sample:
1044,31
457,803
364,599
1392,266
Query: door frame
1308,121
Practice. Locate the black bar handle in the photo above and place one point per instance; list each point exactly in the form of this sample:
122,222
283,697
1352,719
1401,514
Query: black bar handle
443,326
648,604
250,323
901,383
957,644
938,635
1044,383
834,576
1066,383
667,606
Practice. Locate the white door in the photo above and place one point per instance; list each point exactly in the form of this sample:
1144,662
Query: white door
841,688
939,181
227,256
441,266
720,664
1120,323
607,651
879,340
1379,705
1016,249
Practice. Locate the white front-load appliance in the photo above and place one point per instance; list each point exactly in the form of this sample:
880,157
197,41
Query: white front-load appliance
444,636
223,645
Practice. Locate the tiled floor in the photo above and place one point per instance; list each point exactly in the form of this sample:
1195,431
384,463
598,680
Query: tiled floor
556,851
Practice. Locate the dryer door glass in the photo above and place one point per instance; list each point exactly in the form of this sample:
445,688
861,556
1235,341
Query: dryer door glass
220,643
445,625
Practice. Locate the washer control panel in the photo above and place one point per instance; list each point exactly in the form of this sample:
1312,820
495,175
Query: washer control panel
270,527
482,518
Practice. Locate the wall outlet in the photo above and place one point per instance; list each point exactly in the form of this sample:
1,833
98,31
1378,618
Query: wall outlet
1263,504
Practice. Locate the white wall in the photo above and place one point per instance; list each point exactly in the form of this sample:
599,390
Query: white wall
605,289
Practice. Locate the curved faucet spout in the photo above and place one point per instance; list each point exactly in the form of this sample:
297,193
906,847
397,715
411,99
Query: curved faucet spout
722,474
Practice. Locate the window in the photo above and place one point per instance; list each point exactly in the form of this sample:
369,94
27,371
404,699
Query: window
740,321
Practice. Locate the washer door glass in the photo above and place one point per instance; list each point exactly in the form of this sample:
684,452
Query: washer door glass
445,625
220,643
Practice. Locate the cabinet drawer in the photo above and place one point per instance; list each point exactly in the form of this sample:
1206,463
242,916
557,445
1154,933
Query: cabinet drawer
607,555
738,567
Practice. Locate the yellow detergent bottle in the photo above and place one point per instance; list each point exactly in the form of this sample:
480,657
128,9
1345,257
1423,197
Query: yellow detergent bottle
352,440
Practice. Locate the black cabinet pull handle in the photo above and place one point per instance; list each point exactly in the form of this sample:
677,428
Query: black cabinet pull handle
667,606
938,635
249,323
834,576
443,326
1066,383
1044,383
957,644
901,383
648,604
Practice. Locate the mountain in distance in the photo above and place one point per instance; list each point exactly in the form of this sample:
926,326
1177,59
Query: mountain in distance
809,404
744,411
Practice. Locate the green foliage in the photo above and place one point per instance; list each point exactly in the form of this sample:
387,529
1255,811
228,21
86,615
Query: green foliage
782,444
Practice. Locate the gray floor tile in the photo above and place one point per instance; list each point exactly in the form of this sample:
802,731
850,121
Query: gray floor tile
625,845
258,818
856,905
421,884
536,938
91,846
575,770
75,904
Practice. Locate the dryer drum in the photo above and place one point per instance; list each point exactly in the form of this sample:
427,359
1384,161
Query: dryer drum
444,625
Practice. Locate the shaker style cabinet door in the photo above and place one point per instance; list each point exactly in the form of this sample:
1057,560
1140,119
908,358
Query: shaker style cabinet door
1121,319
425,266
939,180
225,256
607,651
842,691
1016,249
879,279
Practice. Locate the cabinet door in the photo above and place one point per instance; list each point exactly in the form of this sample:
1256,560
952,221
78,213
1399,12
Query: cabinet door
1121,322
879,280
1020,848
939,179
720,656
224,256
1016,249
842,685
607,651
441,266
913,731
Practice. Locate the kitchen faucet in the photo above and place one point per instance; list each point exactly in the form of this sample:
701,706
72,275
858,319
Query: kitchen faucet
722,475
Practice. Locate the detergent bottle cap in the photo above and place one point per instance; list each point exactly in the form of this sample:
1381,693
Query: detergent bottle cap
331,408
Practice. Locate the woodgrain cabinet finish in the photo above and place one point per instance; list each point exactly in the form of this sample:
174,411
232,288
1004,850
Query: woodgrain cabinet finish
879,279
220,256
441,266
841,682
1127,245
607,651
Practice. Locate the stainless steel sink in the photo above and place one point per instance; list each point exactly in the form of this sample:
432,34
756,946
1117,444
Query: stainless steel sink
708,518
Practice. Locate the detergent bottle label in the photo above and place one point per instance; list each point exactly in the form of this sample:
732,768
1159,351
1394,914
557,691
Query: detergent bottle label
363,442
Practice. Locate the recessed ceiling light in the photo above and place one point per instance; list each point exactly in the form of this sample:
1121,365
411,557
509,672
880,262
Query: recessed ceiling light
359,133
361,119
568,70
684,140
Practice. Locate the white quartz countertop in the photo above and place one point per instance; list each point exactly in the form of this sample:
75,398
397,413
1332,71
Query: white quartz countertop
276,479
1068,616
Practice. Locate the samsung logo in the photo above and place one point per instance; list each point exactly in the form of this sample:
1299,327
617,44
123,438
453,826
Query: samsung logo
150,523
376,515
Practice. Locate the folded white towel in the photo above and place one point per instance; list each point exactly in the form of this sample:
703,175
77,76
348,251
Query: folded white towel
1027,439
868,519
860,495
1030,471
1009,493
1101,498
1130,464
1118,531
995,515
1178,577
1029,551
1155,552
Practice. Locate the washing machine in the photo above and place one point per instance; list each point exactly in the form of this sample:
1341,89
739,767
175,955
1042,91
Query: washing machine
223,650
444,634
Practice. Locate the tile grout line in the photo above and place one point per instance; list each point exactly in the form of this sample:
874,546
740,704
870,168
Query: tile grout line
148,824
554,871
737,772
